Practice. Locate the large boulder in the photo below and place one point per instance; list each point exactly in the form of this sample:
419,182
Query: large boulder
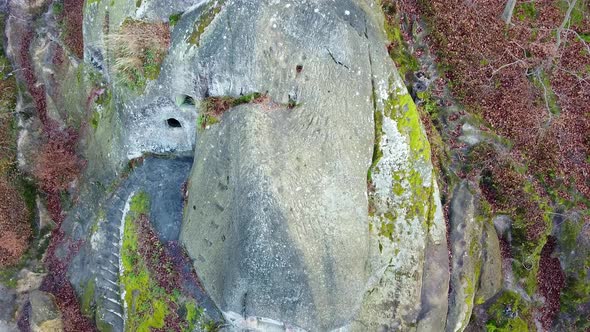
277,211
278,219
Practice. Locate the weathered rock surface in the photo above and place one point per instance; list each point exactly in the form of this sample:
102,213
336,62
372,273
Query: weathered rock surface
45,316
7,305
466,235
277,212
278,217
490,280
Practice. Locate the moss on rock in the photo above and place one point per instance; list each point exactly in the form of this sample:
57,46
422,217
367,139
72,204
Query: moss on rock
508,313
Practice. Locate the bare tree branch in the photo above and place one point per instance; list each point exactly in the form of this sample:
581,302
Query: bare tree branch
566,19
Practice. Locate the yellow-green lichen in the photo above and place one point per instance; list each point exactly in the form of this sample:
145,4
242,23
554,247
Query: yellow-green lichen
401,108
398,51
412,182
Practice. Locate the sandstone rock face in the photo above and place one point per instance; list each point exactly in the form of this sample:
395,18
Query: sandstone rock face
490,281
45,316
278,218
277,212
466,235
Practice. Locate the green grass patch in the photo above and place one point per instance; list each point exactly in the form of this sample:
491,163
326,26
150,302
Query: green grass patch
577,14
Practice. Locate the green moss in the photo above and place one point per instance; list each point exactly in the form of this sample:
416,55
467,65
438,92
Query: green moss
140,203
142,294
174,18
526,10
151,67
57,8
194,314
387,229
207,16
247,98
377,153
95,119
529,252
508,313
88,298
577,14
210,326
148,304
103,326
469,294
101,216
398,51
156,319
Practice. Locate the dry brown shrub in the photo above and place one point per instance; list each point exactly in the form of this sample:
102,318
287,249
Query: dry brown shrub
58,164
73,16
139,45
15,230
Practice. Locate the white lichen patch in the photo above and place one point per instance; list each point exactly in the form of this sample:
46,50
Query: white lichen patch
396,152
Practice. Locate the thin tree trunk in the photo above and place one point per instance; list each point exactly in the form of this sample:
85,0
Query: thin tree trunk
508,11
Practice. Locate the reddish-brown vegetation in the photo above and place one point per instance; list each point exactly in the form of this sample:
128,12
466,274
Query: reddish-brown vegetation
156,257
56,282
58,164
15,230
171,268
551,280
57,167
530,81
72,16
507,73
37,91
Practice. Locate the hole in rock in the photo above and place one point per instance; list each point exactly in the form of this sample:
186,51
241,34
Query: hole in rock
420,87
299,69
173,123
185,101
188,100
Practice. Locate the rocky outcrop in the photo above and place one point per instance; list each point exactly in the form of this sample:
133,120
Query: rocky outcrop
277,212
278,218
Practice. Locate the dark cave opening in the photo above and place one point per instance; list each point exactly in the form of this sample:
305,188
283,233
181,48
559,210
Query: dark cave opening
173,123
